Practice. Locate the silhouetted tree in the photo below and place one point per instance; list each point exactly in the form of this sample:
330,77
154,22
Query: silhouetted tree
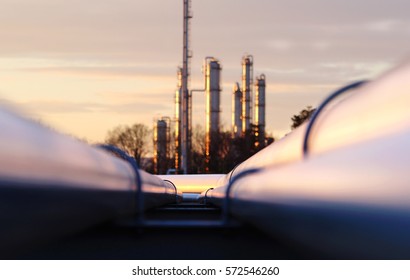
231,152
302,116
198,150
132,139
219,159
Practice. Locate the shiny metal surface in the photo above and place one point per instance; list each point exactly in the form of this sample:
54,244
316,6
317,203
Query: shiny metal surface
260,103
52,185
376,109
212,91
352,202
351,197
212,95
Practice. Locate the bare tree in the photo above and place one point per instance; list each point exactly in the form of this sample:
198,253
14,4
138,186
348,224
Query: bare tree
132,139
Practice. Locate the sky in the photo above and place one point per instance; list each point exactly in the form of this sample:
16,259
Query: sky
85,67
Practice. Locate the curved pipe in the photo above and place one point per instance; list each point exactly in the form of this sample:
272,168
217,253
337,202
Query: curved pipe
350,203
178,195
320,109
206,192
350,197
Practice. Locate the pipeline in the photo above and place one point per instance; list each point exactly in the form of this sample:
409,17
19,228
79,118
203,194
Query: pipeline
339,190
52,185
348,194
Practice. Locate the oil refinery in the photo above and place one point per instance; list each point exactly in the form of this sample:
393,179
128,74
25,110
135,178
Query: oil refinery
336,187
243,125
243,100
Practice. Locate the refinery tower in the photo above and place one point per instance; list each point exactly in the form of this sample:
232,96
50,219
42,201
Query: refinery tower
259,118
161,145
178,119
242,122
213,97
247,83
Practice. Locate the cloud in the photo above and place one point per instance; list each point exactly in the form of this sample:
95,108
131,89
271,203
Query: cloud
278,71
40,107
280,44
357,70
320,45
383,25
150,98
87,67
91,28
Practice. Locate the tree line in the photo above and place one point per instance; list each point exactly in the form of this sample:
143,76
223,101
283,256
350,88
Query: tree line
226,151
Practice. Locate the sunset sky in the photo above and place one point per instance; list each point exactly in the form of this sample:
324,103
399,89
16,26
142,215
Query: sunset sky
86,66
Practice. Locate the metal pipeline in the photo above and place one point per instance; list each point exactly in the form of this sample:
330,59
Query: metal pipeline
350,197
352,202
52,185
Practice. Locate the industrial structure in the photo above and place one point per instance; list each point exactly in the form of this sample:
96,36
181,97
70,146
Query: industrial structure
212,92
259,119
161,145
186,117
247,82
336,187
236,111
178,124
242,125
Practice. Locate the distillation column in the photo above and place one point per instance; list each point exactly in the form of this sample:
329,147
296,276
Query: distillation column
247,82
212,93
178,124
236,111
161,143
260,114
